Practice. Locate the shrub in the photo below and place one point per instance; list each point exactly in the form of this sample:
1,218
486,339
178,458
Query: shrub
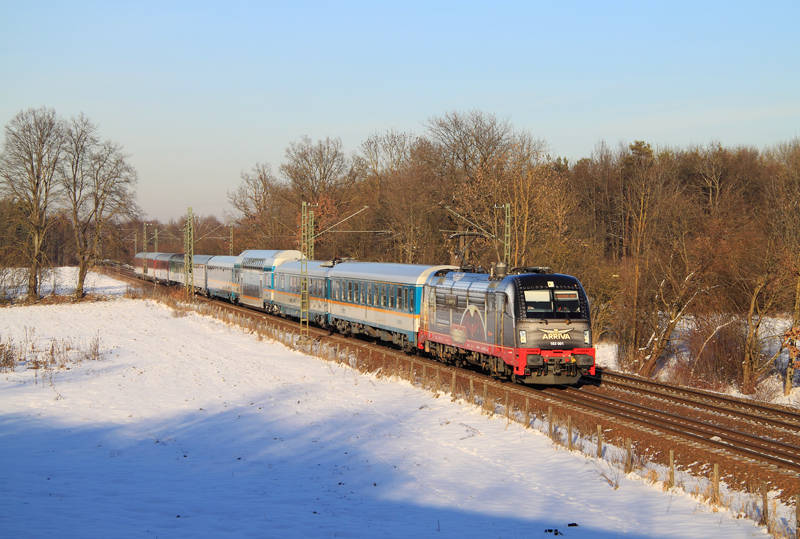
715,345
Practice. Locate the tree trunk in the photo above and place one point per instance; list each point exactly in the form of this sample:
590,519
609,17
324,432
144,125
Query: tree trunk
83,269
35,265
33,281
789,378
749,367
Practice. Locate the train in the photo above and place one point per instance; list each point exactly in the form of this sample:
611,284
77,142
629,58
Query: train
527,324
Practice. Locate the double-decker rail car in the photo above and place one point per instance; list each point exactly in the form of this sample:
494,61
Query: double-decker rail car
139,264
222,278
152,266
176,269
256,269
534,327
160,267
199,272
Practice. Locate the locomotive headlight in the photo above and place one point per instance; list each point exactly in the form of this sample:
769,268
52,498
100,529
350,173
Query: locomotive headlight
587,336
523,337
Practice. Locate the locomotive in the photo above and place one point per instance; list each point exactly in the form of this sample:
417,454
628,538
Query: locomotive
528,324
531,326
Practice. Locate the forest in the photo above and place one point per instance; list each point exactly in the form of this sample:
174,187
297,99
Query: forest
701,241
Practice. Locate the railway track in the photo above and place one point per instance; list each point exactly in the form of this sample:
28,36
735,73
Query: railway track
757,412
761,438
752,446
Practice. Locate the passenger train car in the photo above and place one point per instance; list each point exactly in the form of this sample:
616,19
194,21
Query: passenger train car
531,326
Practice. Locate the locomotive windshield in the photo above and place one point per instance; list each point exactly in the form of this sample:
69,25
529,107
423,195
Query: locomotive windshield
552,303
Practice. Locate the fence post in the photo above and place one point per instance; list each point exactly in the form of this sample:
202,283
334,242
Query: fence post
765,503
715,485
797,516
599,441
453,385
485,398
527,414
671,481
628,456
508,412
550,421
471,390
569,432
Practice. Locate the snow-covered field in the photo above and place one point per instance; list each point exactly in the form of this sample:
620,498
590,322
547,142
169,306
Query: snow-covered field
191,428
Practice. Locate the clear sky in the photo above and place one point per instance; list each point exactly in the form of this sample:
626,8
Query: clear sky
198,92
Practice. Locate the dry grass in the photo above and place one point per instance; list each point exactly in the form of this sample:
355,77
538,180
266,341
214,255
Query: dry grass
54,354
7,354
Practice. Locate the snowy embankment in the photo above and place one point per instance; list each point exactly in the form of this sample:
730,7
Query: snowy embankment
189,427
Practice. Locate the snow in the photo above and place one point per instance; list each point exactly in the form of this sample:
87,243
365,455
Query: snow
188,427
606,355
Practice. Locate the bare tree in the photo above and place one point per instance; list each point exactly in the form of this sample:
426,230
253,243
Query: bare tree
784,202
314,170
386,153
111,196
34,141
265,207
320,173
79,141
97,182
470,140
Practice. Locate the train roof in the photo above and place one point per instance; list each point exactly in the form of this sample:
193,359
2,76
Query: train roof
266,260
201,259
477,282
222,261
150,255
315,268
385,272
545,280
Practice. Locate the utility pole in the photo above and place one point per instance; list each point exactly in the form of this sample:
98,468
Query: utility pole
506,241
506,234
307,237
135,241
307,249
144,245
155,239
188,252
230,242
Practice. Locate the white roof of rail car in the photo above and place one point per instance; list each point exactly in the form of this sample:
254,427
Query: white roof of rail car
268,258
315,268
385,272
163,256
223,261
200,259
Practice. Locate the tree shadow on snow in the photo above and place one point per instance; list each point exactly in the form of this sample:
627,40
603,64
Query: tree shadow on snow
237,473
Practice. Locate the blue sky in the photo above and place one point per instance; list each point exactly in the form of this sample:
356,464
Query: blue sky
197,92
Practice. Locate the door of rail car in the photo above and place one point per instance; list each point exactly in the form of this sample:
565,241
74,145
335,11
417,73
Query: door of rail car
500,309
494,321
